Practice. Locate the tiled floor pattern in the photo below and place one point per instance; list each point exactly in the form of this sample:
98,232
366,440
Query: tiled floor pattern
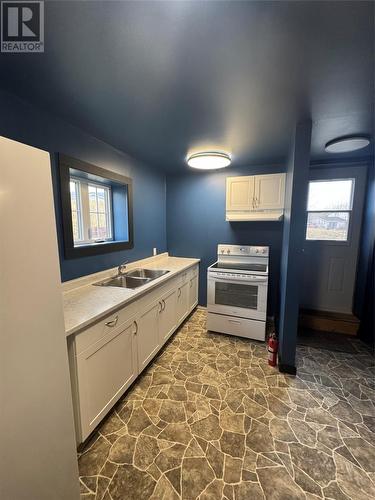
210,420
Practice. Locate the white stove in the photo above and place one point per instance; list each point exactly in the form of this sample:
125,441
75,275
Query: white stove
237,287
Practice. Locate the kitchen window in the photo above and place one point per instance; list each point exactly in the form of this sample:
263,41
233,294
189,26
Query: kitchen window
96,209
329,208
91,212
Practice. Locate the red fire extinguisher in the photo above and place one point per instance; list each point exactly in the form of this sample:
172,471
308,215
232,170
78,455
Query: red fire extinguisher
273,345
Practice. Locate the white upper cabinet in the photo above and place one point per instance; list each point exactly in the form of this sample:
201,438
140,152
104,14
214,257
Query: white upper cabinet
269,191
256,197
240,192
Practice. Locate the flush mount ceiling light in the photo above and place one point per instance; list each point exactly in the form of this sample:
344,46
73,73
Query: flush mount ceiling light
209,160
346,144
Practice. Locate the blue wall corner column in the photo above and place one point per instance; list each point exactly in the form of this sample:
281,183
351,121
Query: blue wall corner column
292,245
365,296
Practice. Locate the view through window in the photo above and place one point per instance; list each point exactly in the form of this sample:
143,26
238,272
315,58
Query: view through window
329,209
91,212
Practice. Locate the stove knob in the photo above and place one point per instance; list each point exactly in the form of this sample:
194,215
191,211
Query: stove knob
228,251
257,250
222,250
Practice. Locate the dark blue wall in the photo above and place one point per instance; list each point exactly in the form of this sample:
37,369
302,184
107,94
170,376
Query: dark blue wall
22,122
293,237
364,304
196,223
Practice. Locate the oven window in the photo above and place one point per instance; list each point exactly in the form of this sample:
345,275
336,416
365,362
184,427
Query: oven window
236,295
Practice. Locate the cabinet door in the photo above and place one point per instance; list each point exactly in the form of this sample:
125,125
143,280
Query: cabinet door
193,292
168,315
182,302
240,192
269,191
104,371
147,334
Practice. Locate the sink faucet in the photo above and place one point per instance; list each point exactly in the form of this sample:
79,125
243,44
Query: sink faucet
122,267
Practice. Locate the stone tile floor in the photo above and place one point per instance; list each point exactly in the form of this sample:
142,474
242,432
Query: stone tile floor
209,419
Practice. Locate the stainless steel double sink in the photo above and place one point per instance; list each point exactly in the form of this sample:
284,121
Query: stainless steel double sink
133,279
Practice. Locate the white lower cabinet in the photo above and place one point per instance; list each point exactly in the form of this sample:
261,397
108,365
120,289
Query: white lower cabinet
104,371
148,334
123,344
193,290
182,302
167,315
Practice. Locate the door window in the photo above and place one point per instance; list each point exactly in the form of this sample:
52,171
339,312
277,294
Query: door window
236,295
329,208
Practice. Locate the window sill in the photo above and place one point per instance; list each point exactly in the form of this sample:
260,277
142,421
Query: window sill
86,250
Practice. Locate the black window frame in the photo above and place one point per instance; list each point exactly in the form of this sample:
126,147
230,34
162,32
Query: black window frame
66,163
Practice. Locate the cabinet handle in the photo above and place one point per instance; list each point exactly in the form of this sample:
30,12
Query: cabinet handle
253,202
136,328
179,293
191,283
112,323
234,321
163,304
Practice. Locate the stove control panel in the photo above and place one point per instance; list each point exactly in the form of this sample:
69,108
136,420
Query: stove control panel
245,251
247,277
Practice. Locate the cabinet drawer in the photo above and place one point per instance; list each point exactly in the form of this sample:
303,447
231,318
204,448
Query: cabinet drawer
109,323
156,293
241,327
193,272
187,275
183,277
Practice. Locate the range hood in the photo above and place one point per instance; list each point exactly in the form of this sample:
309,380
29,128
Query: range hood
253,215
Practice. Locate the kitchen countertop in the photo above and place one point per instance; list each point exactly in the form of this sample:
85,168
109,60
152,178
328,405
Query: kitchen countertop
84,303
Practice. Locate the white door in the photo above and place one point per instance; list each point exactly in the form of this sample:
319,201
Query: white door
182,302
240,191
105,370
167,316
335,204
148,334
269,191
193,292
36,405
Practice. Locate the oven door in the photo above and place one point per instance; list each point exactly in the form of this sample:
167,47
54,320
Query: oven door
241,298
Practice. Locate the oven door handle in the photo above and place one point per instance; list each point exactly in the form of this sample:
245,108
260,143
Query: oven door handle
233,280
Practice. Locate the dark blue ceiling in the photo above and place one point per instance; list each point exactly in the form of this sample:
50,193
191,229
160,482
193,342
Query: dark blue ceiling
160,79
